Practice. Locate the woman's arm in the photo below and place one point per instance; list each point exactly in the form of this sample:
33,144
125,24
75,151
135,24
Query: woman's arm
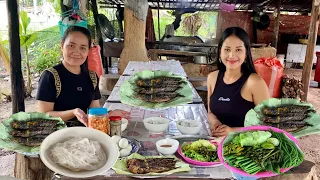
259,89
211,81
95,103
47,107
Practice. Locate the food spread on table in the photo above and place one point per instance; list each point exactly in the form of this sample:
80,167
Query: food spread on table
79,154
260,151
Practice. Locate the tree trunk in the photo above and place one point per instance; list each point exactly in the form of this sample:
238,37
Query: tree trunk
134,40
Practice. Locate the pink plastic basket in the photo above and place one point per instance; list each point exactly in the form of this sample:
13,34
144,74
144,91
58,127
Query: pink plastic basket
259,174
198,163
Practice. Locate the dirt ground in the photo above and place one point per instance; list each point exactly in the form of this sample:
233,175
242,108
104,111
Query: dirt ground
309,144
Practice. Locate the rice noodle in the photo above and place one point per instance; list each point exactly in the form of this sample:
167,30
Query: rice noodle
78,154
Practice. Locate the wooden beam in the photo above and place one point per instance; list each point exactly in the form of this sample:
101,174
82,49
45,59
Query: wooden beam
312,38
276,25
219,25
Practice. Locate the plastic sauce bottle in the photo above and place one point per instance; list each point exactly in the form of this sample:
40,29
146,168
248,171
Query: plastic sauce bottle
115,125
97,119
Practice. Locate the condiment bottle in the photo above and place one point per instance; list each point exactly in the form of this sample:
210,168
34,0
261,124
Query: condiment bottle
115,125
97,119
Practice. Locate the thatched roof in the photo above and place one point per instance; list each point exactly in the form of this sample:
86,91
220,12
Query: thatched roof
214,5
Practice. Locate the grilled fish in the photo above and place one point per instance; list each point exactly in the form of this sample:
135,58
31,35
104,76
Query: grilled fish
280,119
151,90
274,111
30,141
290,126
33,123
159,82
151,165
33,132
163,97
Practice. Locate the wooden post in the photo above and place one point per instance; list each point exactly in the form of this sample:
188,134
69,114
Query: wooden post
15,55
312,38
134,34
276,25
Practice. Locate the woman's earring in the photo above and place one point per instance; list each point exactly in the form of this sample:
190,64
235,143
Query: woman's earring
220,60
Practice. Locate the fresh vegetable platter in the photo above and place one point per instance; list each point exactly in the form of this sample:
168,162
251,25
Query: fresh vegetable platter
200,152
260,151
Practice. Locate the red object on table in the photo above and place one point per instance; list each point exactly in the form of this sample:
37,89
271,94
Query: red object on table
317,73
115,118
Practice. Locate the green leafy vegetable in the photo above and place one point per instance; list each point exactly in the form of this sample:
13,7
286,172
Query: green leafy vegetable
201,150
253,137
274,141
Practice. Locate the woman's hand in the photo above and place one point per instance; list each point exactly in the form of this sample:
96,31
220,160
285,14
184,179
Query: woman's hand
221,130
81,116
117,112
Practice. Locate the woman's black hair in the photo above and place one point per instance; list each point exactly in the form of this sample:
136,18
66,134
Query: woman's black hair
247,67
84,31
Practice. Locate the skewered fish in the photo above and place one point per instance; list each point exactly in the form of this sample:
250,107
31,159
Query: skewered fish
151,165
161,97
151,90
159,82
289,126
289,117
33,124
274,111
33,132
30,141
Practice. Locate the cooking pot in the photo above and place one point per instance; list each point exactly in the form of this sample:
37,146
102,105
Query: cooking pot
202,60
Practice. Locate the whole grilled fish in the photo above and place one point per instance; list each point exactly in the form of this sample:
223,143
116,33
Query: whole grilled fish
151,90
279,119
33,132
159,82
290,126
30,141
274,111
33,123
163,97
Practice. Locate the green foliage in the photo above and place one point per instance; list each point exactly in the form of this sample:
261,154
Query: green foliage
56,5
46,57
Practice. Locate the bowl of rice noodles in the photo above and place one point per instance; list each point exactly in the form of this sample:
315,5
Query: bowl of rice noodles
79,152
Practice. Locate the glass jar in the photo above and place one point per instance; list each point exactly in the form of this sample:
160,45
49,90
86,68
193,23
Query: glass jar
97,119
115,125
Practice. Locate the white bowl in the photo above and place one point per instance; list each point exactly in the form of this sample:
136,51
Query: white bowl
156,124
167,150
124,124
109,146
184,129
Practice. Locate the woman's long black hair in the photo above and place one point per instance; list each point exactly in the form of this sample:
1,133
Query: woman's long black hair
247,67
84,31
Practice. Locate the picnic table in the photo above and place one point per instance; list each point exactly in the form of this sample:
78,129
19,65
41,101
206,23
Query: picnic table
195,110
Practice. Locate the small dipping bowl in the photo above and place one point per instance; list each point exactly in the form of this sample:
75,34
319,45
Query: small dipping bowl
124,124
167,146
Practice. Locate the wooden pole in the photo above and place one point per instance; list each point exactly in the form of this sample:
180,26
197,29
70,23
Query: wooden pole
15,55
312,38
276,25
159,33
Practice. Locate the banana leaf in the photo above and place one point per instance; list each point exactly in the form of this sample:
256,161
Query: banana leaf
253,116
128,94
120,167
6,141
